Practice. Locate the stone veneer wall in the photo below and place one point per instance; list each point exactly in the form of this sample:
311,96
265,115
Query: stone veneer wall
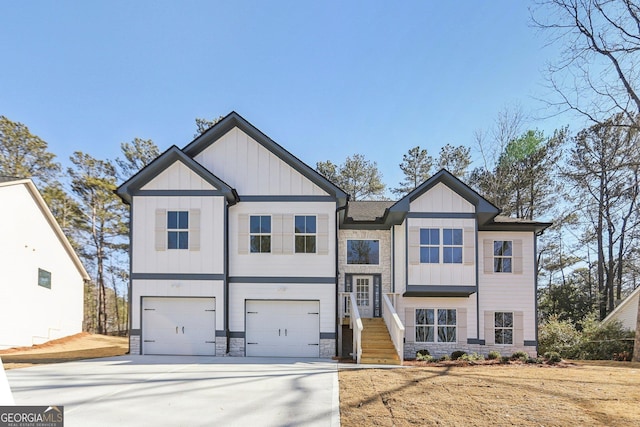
236,347
327,348
441,349
134,344
384,268
221,346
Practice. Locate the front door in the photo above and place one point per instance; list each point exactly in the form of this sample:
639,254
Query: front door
363,287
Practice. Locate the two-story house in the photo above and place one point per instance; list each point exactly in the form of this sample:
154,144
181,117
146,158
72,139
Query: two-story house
239,248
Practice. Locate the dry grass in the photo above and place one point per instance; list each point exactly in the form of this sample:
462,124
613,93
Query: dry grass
584,394
76,347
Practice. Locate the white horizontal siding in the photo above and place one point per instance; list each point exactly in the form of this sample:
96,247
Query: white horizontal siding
176,288
209,259
628,314
441,198
251,169
442,274
31,314
239,292
509,291
178,177
278,265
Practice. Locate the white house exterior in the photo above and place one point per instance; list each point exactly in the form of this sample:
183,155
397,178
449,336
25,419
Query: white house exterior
41,279
239,248
627,311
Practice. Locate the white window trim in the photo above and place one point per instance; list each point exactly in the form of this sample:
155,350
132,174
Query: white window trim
295,234
178,230
438,246
260,234
460,246
511,257
436,325
495,328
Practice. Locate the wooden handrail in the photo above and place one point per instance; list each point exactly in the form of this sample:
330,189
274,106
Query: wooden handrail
394,325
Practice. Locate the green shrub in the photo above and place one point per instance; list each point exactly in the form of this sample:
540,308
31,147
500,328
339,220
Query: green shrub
444,358
558,335
457,354
493,355
519,355
553,357
473,357
533,360
423,352
505,359
595,341
601,341
424,357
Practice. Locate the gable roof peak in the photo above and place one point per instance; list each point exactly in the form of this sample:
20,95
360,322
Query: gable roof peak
235,120
163,161
484,209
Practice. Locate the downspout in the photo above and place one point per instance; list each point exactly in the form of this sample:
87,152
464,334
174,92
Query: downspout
227,333
393,261
337,239
130,296
535,272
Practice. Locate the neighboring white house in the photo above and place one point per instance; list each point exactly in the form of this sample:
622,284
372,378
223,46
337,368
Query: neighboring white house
41,277
627,311
239,248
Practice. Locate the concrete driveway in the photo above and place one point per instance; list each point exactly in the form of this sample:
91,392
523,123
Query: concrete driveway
184,391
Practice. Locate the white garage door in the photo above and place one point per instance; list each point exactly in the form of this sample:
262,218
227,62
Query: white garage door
185,326
283,328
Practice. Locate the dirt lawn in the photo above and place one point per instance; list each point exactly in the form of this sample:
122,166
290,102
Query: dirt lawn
578,394
581,394
76,347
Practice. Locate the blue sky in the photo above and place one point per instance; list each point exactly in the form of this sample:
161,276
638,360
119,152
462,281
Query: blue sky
323,79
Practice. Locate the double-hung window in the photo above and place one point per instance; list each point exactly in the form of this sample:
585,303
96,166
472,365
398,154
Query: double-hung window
429,245
502,256
503,323
435,325
178,229
305,234
452,245
260,233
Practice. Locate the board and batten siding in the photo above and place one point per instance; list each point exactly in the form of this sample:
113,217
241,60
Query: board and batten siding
176,288
399,257
508,292
32,314
178,177
206,239
240,292
441,198
463,274
251,169
282,261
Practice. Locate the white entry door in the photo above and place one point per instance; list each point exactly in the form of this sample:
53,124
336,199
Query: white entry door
282,328
363,287
181,326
